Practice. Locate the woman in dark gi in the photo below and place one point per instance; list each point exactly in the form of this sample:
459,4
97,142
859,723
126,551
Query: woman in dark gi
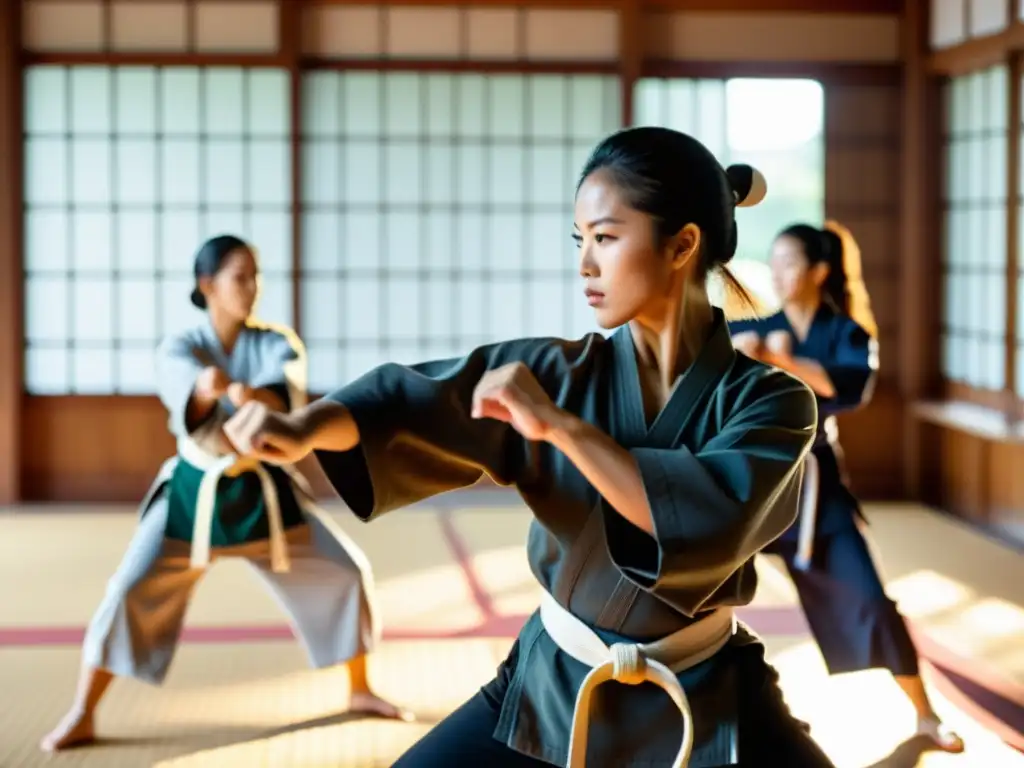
657,462
825,334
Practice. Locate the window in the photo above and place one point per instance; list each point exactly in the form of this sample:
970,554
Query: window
974,248
774,125
437,212
127,171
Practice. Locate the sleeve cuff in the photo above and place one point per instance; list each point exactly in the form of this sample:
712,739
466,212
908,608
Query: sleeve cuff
359,475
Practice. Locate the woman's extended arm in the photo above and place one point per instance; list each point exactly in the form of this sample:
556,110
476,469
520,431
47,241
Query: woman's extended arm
811,372
609,467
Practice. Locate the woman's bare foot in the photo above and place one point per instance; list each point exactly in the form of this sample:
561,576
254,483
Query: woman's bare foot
75,730
370,703
945,739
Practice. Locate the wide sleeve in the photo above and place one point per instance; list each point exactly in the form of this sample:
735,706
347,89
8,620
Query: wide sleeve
417,437
179,361
283,367
716,508
852,367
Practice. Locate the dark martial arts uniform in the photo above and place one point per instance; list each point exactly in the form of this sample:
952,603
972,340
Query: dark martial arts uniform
722,467
854,622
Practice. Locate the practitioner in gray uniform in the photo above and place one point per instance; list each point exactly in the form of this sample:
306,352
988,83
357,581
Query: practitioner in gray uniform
207,503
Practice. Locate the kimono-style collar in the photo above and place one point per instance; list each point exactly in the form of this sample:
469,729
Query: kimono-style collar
210,334
689,393
213,340
823,313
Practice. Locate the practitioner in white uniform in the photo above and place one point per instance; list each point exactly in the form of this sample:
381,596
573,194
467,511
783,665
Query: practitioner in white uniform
206,503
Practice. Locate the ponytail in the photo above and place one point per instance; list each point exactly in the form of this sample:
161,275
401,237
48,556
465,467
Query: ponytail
834,289
743,292
854,299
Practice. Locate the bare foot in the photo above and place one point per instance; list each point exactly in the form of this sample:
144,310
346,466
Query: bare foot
75,730
945,739
370,703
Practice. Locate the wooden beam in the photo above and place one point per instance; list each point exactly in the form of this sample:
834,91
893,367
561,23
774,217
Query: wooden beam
919,244
290,34
154,59
704,6
631,54
828,73
11,279
1013,156
780,6
978,53
463,66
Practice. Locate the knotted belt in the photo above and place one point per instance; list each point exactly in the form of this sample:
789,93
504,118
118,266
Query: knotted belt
633,663
231,465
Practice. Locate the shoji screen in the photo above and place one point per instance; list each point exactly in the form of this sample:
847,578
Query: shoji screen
437,212
974,251
127,171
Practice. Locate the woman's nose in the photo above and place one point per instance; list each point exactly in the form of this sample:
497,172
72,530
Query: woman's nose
588,268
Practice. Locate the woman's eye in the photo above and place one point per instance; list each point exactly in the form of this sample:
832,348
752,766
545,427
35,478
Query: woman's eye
600,238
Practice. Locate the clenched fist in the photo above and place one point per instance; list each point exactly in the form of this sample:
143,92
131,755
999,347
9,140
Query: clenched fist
748,342
212,383
779,343
239,394
262,433
513,395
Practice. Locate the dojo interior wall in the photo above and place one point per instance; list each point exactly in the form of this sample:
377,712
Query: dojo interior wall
964,430
406,171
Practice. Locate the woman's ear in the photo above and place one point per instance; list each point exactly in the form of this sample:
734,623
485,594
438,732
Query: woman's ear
205,284
685,245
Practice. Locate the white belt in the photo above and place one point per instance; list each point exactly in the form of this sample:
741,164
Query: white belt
808,513
658,662
214,468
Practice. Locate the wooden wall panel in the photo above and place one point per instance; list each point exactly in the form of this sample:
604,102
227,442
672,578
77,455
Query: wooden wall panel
862,188
151,26
108,449
970,465
458,33
1005,509
92,448
772,36
871,443
975,475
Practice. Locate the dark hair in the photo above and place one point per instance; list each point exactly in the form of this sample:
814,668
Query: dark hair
210,260
844,288
823,246
676,180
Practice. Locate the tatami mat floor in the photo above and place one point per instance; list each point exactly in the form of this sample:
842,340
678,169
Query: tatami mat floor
453,586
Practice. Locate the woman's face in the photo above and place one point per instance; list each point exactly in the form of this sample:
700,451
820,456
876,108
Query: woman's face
234,288
793,277
626,275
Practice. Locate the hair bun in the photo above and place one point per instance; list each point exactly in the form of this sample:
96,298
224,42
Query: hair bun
198,300
748,185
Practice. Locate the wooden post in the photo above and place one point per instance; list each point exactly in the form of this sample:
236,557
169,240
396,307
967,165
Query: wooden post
11,279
